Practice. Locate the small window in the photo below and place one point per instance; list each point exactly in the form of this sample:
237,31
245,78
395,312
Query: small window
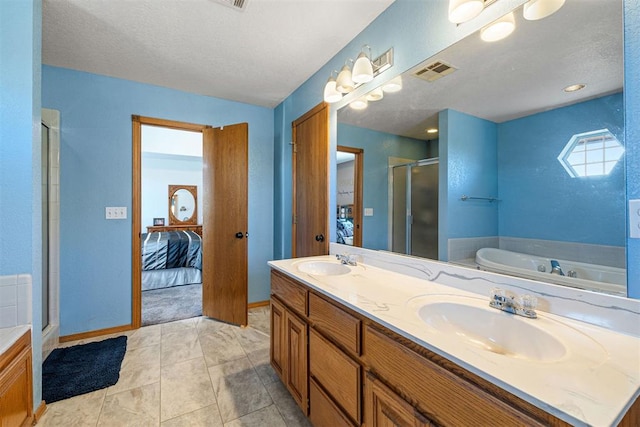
591,154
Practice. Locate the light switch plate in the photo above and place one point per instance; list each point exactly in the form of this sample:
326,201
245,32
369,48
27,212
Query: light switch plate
368,211
119,212
634,219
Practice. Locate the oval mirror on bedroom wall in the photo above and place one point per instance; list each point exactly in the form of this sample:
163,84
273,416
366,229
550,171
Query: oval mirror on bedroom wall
527,164
183,204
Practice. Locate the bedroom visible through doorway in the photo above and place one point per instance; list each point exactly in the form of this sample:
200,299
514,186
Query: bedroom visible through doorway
171,224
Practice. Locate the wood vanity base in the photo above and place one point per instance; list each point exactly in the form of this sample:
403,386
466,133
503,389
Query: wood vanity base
16,384
357,372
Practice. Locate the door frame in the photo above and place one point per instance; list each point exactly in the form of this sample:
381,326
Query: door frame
357,190
136,203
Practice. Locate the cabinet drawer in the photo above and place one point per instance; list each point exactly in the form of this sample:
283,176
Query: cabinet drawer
441,395
322,410
335,323
338,374
289,292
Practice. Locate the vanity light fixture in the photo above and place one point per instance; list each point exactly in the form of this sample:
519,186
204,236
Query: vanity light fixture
375,95
363,69
499,29
432,130
359,104
539,9
393,85
331,94
574,88
344,83
464,10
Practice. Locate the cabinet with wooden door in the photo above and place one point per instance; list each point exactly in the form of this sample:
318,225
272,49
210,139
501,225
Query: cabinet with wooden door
361,373
289,341
16,399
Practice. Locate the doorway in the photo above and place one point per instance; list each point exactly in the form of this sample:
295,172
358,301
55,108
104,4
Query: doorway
224,216
349,195
414,206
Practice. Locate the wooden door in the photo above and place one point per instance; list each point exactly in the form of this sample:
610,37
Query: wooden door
310,229
384,408
224,229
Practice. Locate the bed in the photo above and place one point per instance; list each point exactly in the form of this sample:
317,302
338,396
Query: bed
171,258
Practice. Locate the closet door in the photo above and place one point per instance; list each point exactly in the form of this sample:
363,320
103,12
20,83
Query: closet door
225,224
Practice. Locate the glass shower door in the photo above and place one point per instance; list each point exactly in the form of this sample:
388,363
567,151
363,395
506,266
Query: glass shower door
415,209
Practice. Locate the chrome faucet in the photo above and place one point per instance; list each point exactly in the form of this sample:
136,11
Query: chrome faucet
522,306
555,268
347,259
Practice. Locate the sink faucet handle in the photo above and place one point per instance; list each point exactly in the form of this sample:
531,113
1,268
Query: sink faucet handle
528,302
497,294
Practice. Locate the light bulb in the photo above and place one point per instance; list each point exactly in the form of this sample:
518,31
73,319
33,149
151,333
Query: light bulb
464,10
538,9
393,85
499,29
344,83
375,95
359,104
331,95
362,69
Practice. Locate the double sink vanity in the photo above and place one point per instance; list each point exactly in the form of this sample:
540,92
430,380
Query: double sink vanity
380,339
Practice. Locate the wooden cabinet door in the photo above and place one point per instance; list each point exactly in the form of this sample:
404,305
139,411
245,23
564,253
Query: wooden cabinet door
277,350
310,229
224,241
384,408
297,362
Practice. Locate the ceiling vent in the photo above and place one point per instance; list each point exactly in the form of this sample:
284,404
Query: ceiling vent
434,71
239,5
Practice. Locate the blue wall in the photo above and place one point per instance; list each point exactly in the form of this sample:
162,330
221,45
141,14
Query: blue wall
95,172
538,198
632,131
378,147
468,166
20,158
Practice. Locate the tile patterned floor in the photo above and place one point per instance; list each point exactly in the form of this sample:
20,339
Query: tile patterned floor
194,372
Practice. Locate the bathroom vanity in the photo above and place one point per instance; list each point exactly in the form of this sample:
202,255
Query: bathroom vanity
16,385
361,345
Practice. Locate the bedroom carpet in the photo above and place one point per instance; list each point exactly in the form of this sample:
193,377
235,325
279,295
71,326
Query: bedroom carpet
81,369
169,304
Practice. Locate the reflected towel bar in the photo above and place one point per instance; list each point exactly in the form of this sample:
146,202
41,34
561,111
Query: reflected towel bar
489,199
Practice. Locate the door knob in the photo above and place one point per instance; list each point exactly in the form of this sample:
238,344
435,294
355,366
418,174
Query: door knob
319,238
239,235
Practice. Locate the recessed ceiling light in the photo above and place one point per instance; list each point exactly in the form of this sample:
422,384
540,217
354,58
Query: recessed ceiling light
574,88
432,130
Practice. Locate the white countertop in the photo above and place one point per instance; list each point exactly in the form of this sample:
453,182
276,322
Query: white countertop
8,336
593,383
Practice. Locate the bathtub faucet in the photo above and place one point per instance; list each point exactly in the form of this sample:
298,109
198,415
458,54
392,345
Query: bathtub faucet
555,268
522,306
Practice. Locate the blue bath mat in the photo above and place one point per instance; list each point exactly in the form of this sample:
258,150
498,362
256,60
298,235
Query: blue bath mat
83,368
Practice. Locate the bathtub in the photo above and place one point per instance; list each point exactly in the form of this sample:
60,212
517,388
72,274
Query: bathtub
591,277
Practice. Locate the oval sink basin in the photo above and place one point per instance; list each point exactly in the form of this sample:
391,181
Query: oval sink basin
323,268
493,330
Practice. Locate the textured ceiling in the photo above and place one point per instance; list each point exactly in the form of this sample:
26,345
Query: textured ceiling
520,75
259,55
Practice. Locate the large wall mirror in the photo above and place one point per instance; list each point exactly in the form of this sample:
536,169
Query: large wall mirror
529,171
183,204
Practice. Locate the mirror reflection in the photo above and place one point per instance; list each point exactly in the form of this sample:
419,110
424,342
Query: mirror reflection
183,205
529,174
